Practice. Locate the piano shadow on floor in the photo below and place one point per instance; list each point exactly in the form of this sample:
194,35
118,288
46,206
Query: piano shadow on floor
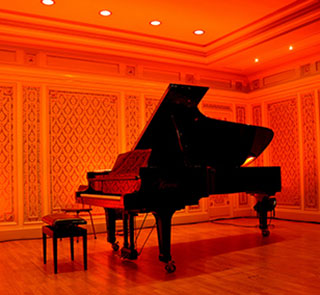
212,256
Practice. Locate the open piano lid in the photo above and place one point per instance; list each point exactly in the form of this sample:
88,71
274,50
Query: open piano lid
180,135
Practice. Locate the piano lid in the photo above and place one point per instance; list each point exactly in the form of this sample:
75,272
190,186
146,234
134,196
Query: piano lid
180,135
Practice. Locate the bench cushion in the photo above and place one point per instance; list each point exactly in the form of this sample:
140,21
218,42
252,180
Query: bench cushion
60,219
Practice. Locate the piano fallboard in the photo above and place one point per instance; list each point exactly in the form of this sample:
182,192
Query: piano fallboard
158,188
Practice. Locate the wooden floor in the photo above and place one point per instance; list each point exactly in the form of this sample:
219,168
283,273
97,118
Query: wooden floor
211,258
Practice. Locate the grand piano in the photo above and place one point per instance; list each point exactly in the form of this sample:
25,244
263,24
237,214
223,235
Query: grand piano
180,157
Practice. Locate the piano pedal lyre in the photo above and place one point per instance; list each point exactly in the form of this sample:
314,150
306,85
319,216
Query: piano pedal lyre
264,205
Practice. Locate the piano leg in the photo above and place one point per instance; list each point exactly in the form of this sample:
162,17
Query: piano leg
128,251
111,228
163,219
263,206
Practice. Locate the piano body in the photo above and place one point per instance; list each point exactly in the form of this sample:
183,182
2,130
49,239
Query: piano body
180,157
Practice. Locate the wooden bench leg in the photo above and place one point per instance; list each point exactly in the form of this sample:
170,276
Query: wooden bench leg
84,237
55,253
44,246
72,248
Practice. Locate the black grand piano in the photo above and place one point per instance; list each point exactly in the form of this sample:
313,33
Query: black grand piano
180,157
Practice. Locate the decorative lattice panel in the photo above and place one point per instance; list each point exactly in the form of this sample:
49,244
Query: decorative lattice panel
310,161
132,120
31,154
241,114
225,113
257,120
7,180
150,106
83,137
284,149
241,118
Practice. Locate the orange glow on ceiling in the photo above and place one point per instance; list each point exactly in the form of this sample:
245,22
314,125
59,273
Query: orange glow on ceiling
235,31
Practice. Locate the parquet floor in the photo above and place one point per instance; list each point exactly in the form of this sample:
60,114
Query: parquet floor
211,258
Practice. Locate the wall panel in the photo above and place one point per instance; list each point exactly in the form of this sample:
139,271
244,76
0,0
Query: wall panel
284,149
310,155
83,137
8,211
132,120
32,194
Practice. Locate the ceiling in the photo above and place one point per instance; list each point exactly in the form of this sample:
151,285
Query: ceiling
236,32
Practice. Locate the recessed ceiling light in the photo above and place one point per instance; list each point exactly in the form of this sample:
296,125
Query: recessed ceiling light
155,23
47,2
105,12
290,47
256,59
198,32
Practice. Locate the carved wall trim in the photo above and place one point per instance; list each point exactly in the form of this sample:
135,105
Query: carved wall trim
243,199
216,106
241,114
284,149
31,154
7,175
132,120
83,136
310,161
150,107
257,120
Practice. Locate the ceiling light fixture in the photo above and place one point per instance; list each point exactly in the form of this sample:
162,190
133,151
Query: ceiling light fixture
105,12
47,2
256,59
155,23
198,32
290,47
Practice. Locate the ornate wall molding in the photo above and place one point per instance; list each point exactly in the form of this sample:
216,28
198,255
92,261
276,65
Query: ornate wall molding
284,149
241,114
216,106
31,154
83,136
257,120
310,161
241,118
7,179
132,120
150,107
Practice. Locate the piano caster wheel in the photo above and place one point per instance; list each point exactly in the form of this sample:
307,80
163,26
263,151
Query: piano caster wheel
170,267
115,246
265,233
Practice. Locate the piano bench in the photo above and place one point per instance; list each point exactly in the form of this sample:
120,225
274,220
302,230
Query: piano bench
63,226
